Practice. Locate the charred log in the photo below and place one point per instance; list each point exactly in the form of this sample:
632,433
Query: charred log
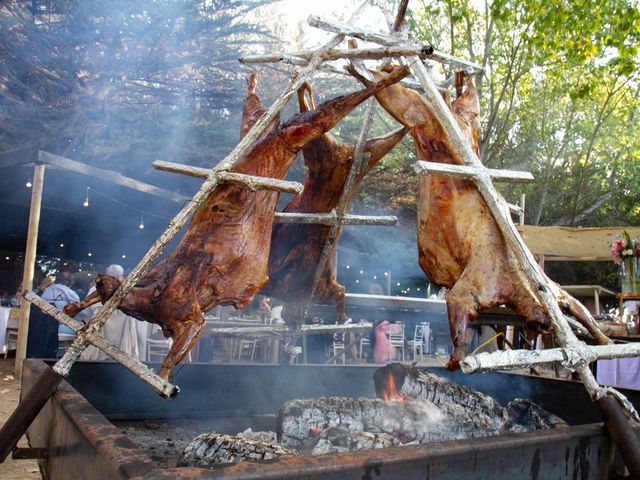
526,416
401,381
408,382
344,440
300,421
214,448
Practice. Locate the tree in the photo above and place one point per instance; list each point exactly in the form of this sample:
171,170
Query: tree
559,96
121,83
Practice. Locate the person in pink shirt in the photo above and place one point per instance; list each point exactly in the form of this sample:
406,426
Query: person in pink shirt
383,350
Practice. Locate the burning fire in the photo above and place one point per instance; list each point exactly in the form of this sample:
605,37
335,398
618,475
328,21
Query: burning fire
390,392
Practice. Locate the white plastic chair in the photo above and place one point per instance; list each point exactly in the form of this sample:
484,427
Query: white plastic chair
364,343
396,337
10,341
159,348
416,344
64,342
338,347
247,347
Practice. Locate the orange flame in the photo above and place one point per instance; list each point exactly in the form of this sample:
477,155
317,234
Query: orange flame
390,393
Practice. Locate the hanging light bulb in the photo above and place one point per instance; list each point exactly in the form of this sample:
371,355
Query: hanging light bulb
141,226
123,256
86,199
28,184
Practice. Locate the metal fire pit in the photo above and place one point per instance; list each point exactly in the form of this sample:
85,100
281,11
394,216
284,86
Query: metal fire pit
81,441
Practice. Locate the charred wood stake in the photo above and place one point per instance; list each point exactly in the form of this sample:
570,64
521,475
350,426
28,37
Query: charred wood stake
215,448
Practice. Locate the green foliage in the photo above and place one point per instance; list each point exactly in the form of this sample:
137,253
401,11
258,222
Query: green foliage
559,98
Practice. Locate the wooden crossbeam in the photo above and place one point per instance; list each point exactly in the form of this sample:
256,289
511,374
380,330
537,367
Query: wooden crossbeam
251,182
468,172
390,41
513,359
425,51
140,370
108,175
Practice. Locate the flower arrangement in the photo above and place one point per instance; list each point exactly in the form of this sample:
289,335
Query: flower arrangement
624,247
626,253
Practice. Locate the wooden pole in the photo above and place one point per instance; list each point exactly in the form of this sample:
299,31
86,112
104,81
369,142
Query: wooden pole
29,266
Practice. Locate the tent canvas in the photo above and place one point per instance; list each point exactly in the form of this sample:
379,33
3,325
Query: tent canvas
573,244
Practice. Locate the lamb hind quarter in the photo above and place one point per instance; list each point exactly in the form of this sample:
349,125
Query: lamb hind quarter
222,258
460,245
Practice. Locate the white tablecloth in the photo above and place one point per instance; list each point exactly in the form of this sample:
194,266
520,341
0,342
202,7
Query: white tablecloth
4,324
620,372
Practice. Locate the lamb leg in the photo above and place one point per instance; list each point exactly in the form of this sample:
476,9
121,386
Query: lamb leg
184,339
72,309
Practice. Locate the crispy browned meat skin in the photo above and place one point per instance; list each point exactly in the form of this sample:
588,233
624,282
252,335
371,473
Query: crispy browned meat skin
460,246
296,248
223,256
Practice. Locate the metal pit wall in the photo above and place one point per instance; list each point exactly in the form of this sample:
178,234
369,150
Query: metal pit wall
82,443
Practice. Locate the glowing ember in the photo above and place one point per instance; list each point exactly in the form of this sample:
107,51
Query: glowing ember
390,392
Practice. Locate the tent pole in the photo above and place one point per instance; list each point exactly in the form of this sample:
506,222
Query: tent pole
29,266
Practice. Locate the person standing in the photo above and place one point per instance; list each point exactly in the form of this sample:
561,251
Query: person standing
42,341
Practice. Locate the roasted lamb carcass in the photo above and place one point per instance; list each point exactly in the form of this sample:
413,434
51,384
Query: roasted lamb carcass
222,258
460,245
296,248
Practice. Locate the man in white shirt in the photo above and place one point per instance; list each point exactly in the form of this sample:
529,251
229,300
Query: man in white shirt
42,340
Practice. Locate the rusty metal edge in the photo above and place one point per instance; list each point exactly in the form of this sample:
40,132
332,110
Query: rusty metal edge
105,439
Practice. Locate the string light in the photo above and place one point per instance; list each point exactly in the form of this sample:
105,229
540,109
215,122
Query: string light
62,245
28,184
398,284
86,199
89,254
141,226
123,256
386,274
357,281
361,272
375,277
348,267
7,258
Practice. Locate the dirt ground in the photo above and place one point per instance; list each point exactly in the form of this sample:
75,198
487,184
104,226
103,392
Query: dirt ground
9,397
